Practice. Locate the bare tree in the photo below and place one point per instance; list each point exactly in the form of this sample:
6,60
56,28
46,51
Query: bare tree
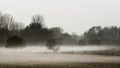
16,26
38,19
6,21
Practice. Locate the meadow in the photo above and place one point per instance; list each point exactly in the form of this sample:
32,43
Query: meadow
66,57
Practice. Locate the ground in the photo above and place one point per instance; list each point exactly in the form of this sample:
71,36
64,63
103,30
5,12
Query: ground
70,65
67,57
54,60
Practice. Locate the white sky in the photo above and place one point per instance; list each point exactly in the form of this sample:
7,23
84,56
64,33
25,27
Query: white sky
72,15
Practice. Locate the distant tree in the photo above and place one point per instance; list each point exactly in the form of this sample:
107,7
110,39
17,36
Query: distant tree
64,38
110,35
103,36
16,26
83,40
36,32
4,33
38,20
5,21
51,43
57,30
57,34
14,42
75,38
92,36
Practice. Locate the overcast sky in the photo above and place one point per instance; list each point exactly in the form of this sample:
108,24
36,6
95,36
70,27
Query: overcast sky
72,15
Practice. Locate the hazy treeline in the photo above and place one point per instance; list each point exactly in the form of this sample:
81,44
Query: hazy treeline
102,36
34,33
37,33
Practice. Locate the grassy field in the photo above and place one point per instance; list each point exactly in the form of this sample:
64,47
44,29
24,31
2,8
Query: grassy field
69,65
111,52
105,58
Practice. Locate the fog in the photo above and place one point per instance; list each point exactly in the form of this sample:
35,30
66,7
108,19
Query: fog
65,48
42,55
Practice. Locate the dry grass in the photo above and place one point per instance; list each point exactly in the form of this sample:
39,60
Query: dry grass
71,65
110,52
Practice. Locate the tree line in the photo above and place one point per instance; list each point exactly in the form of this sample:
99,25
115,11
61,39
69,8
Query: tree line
37,33
34,33
101,36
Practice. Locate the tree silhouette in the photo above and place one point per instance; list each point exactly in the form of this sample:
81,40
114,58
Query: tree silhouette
15,41
102,36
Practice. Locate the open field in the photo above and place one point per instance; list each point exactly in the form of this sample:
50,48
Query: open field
58,61
67,57
68,65
55,58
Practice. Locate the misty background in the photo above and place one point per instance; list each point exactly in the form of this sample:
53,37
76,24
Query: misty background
76,33
55,23
80,14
